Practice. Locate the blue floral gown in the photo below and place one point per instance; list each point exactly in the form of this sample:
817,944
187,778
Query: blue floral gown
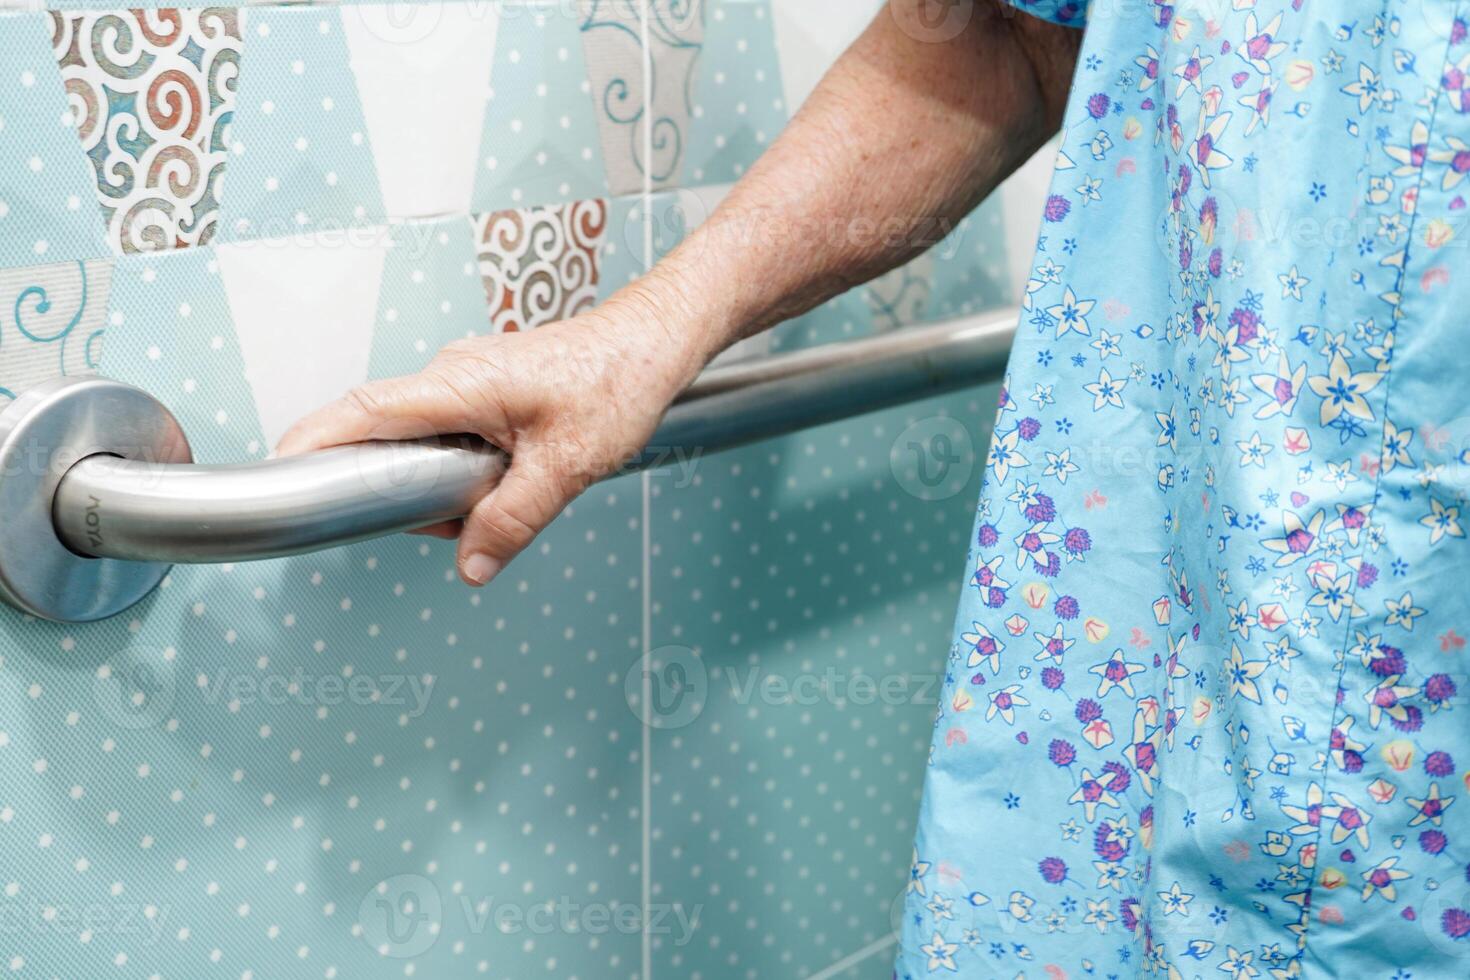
1205,708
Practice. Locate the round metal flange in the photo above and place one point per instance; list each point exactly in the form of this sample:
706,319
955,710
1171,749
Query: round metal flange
43,433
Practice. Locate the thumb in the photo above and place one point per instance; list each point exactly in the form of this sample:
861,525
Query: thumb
502,524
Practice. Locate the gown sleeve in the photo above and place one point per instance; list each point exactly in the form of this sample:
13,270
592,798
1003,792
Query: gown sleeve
1072,13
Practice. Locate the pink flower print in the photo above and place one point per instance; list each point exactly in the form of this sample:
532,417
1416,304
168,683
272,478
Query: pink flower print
984,648
1258,106
1439,689
1260,44
1088,710
1209,217
1032,543
1204,152
1349,822
992,587
1004,703
1431,808
1092,792
1116,672
1299,539
1455,84
1191,71
1410,158
1309,817
1053,870
1283,388
1149,63
1457,155
1246,323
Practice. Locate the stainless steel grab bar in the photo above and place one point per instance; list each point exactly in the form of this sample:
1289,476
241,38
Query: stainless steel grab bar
136,510
100,495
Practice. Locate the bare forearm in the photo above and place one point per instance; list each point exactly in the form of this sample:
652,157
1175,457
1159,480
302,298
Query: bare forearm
903,137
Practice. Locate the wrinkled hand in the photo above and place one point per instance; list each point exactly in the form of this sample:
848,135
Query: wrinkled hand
571,402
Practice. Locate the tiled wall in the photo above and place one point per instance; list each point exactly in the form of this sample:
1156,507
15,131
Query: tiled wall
249,210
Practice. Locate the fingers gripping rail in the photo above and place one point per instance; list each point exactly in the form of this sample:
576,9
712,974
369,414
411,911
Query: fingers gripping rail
99,495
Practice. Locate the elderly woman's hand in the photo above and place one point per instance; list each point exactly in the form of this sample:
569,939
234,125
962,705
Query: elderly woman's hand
571,402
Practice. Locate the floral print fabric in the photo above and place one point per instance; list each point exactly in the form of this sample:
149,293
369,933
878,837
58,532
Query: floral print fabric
1204,713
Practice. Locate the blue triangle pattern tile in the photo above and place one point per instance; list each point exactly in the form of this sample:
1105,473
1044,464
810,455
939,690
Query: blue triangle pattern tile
739,104
48,209
170,332
540,143
300,156
431,294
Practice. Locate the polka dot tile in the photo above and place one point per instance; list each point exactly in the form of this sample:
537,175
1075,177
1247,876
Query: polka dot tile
431,294
807,585
232,776
300,158
739,105
540,143
48,197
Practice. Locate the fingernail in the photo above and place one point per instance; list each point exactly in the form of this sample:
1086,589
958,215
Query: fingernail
479,569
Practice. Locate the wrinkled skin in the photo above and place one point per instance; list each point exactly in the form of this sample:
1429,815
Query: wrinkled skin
910,130
571,402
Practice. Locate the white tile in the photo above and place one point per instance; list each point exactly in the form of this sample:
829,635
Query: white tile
304,311
810,36
423,72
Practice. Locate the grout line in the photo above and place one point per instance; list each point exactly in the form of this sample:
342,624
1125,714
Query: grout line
646,864
853,959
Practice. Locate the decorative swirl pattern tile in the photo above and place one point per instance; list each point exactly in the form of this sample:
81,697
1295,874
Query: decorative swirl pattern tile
643,132
540,264
154,92
51,321
901,296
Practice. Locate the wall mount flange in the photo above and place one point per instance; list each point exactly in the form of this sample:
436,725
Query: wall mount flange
45,431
